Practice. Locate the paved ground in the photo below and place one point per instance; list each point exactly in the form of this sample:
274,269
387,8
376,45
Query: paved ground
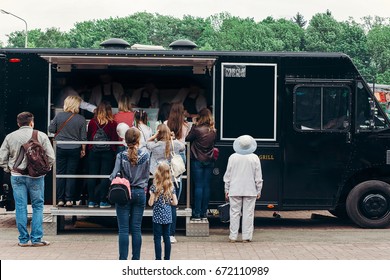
295,236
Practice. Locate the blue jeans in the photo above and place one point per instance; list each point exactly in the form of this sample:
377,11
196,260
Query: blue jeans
201,176
131,213
67,163
158,231
23,187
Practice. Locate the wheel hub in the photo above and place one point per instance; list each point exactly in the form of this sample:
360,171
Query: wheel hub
375,205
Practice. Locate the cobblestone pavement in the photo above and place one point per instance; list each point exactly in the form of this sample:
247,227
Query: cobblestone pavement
298,235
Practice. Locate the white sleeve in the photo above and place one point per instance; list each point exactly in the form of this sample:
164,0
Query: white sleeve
87,106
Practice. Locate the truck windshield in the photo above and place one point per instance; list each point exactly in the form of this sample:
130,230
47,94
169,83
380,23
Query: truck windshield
322,108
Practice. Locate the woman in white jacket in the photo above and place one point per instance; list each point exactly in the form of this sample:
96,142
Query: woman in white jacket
243,184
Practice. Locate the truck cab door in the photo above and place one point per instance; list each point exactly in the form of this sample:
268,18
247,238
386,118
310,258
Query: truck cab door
317,144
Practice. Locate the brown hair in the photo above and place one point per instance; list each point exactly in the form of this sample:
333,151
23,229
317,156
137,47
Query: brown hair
103,113
24,118
176,119
206,118
132,138
142,116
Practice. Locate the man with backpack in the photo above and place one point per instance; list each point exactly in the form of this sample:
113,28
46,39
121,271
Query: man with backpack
27,178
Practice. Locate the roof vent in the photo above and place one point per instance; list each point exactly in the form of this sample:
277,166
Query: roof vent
183,45
115,43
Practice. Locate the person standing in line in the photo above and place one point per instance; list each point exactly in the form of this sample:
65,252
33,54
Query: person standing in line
101,156
125,115
178,124
162,198
141,122
243,184
163,112
24,185
68,126
202,137
161,146
135,163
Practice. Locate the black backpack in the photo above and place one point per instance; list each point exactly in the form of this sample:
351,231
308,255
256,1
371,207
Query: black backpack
100,135
37,160
119,191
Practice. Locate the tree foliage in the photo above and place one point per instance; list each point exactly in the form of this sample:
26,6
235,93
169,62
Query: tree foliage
367,43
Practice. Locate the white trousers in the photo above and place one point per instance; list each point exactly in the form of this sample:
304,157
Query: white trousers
246,206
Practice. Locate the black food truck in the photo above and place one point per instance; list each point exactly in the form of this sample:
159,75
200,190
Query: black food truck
323,140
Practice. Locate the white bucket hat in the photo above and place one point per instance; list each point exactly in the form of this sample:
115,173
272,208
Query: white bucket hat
244,145
121,129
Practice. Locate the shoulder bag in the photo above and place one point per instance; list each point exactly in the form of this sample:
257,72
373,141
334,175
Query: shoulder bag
177,164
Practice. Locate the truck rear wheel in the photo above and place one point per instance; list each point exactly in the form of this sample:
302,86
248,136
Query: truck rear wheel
368,204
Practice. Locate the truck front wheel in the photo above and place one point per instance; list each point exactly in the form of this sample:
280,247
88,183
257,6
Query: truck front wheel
368,204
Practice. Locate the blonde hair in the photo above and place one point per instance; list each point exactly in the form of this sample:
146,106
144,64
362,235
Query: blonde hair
72,104
164,134
163,182
103,113
132,138
124,104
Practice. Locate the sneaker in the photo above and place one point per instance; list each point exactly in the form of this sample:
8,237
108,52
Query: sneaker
246,240
69,204
173,239
24,244
232,240
105,205
205,220
196,219
40,244
61,203
92,204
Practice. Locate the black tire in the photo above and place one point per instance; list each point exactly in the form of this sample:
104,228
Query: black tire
368,204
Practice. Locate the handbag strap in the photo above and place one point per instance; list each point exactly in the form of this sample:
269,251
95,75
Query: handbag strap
63,124
173,148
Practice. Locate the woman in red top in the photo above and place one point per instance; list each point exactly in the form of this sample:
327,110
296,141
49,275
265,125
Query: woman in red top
125,111
101,156
125,115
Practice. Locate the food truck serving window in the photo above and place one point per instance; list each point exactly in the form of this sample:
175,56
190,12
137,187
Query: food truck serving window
322,108
249,100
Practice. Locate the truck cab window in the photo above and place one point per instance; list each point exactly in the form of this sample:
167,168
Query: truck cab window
322,108
368,115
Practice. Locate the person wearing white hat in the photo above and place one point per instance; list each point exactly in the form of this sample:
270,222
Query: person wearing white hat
121,129
243,183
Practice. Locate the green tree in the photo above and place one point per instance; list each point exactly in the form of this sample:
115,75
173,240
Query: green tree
17,39
378,44
323,33
286,35
299,20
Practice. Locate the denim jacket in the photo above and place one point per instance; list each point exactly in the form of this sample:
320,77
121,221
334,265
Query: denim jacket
138,175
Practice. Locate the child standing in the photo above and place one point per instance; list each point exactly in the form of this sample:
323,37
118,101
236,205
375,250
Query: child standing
162,196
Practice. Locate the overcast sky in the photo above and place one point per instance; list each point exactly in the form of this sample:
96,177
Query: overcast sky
64,14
